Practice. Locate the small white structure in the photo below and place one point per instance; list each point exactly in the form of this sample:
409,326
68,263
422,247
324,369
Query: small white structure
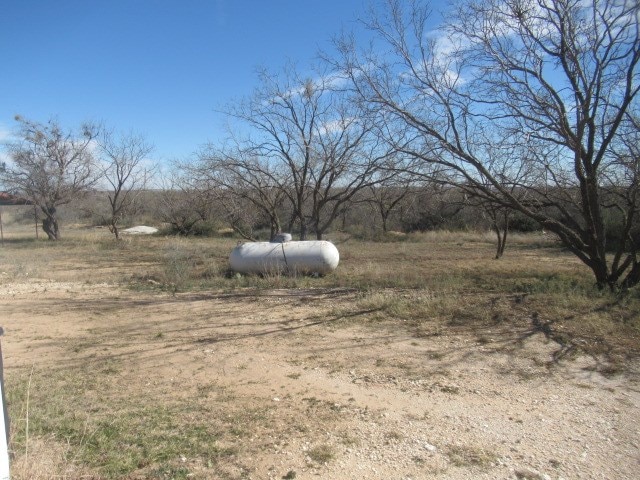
318,256
140,230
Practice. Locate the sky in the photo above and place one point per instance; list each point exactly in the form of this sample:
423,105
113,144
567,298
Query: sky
160,68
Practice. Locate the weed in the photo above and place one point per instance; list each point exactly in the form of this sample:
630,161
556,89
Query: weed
349,440
170,472
453,389
394,435
322,454
179,265
465,456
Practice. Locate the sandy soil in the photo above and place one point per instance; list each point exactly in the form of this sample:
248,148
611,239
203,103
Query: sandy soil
455,404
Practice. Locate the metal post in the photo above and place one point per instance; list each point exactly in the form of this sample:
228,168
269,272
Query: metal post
4,424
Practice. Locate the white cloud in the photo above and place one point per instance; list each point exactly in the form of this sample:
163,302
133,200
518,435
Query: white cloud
335,80
336,125
5,133
446,44
5,136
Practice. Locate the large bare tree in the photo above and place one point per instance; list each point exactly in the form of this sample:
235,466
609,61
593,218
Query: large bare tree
125,173
523,103
305,138
51,166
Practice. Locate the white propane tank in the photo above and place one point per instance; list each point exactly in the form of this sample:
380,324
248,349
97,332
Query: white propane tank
317,256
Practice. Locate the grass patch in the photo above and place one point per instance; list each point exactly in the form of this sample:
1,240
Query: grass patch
470,456
580,320
394,436
126,434
322,454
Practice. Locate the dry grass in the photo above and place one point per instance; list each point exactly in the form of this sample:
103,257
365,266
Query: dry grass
446,276
425,283
50,459
86,421
465,455
322,454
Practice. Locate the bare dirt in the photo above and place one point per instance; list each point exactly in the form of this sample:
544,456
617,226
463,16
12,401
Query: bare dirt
344,398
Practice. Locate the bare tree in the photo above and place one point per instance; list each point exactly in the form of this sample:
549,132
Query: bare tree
431,206
318,147
387,196
498,217
51,167
497,213
237,175
239,213
621,184
180,204
125,173
515,96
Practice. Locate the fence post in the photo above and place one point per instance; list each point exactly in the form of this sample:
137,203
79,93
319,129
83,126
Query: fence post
4,424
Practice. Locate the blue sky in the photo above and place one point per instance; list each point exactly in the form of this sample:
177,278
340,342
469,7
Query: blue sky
157,67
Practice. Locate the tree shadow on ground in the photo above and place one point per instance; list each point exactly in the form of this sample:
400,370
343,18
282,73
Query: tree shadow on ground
159,328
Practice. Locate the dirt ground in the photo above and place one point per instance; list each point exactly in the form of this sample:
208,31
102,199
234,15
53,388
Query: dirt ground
342,398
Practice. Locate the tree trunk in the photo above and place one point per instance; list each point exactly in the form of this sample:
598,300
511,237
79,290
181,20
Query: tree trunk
275,227
601,272
303,229
633,277
502,240
385,216
50,223
114,229
292,223
502,235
